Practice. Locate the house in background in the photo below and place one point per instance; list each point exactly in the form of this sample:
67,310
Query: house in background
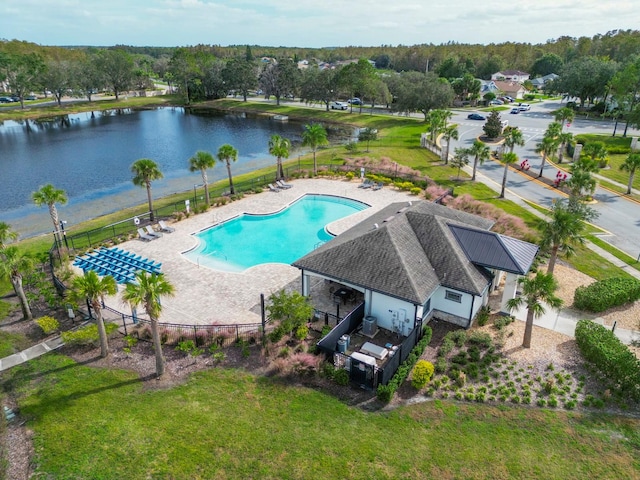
511,75
539,82
409,263
487,86
513,89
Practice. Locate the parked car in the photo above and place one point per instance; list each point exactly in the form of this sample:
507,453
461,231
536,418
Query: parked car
515,110
524,107
5,100
511,99
30,97
355,101
339,105
496,102
476,116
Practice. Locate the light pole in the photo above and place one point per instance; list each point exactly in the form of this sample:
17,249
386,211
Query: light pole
64,234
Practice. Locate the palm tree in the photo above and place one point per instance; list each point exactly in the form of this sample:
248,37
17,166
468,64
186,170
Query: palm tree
49,196
508,158
513,136
7,235
449,132
565,138
279,147
564,115
227,154
546,147
314,136
93,288
582,184
565,228
13,264
536,289
202,161
460,159
597,152
631,164
437,120
480,152
144,172
147,290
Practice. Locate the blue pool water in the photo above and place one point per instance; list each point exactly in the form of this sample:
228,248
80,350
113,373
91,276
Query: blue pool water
282,237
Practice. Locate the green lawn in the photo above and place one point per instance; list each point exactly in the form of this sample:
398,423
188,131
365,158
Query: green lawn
101,424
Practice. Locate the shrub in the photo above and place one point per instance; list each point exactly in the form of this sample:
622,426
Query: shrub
415,191
325,330
440,365
446,346
341,377
607,353
48,324
604,294
328,370
501,322
189,347
481,339
422,373
483,316
301,332
86,335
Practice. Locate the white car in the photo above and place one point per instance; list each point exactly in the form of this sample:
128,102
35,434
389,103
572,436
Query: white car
339,105
524,107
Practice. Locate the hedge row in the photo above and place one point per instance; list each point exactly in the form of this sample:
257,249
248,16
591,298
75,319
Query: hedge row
385,392
602,295
613,358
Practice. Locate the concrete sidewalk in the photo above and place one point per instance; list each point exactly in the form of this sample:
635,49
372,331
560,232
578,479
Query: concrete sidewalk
30,353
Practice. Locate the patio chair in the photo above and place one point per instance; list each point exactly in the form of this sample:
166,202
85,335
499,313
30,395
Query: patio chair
378,186
144,236
281,184
273,189
165,228
366,184
152,232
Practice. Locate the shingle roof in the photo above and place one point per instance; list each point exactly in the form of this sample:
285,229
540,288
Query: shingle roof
406,251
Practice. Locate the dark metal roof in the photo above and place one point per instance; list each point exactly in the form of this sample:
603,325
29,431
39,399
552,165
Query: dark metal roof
493,250
406,251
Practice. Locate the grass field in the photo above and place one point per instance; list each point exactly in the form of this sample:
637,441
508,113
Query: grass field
99,424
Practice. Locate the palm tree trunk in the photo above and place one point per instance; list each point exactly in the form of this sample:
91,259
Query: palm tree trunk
552,259
231,189
16,282
102,331
315,166
528,329
630,184
544,159
504,180
475,165
53,212
205,183
151,217
157,347
280,173
446,156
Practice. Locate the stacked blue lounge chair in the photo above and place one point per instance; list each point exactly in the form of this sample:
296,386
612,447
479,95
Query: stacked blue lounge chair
118,263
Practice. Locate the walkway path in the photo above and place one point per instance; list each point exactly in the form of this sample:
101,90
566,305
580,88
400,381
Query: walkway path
30,353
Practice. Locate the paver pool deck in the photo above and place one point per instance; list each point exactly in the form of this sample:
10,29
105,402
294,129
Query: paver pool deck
204,296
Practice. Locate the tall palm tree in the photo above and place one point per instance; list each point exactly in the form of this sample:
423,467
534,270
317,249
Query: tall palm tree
631,164
535,290
7,235
93,288
279,147
13,264
49,196
513,136
564,115
546,147
202,161
144,172
581,184
508,158
314,136
146,291
228,154
437,120
565,228
450,132
481,153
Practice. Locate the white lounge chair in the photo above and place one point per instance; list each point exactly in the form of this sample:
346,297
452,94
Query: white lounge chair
144,236
273,189
165,228
281,184
152,232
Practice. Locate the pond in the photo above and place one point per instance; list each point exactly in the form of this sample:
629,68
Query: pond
90,155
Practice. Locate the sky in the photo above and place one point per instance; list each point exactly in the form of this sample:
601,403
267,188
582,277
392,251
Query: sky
309,23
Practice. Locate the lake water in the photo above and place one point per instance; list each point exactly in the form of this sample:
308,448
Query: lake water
90,158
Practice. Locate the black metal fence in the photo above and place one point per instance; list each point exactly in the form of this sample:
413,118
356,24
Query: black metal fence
203,336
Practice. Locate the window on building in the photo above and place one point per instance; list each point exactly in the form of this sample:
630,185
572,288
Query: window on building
453,296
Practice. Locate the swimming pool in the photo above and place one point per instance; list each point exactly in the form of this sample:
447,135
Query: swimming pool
282,237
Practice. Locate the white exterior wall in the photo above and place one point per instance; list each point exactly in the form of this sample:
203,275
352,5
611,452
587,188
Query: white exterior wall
383,308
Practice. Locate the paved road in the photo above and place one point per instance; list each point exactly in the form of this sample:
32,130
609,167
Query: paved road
619,216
